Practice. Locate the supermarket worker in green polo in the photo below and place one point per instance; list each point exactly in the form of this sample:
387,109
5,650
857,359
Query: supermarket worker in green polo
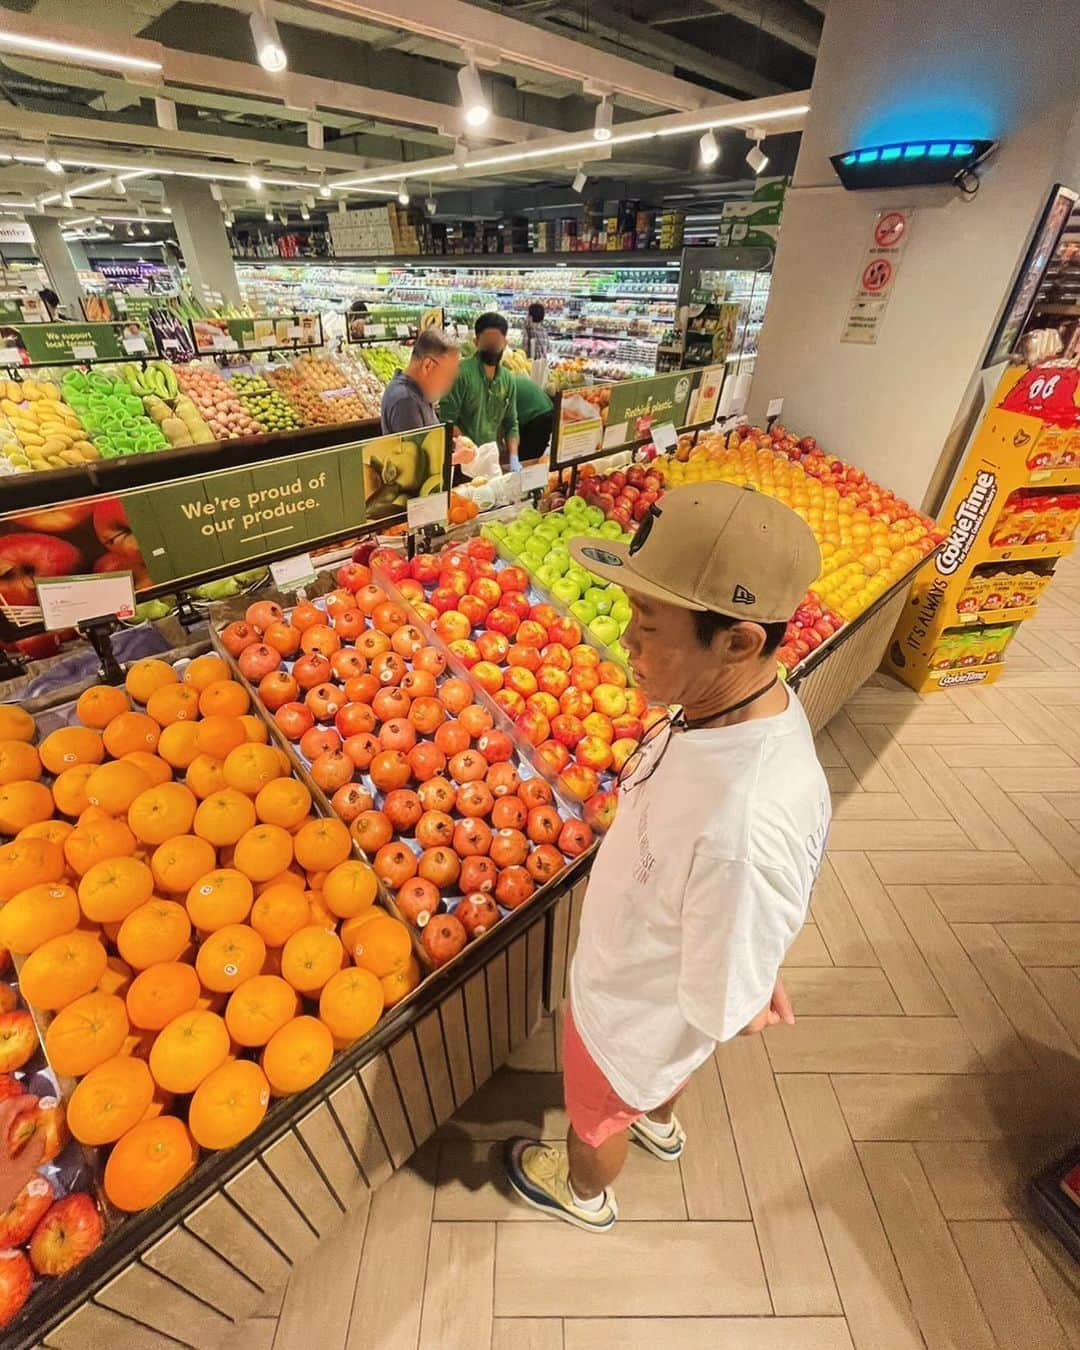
483,401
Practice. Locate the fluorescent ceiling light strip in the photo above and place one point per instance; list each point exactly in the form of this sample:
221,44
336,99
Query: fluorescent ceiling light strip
73,52
137,220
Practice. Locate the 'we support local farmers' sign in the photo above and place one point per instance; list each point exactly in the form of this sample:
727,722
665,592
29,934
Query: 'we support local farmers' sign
237,515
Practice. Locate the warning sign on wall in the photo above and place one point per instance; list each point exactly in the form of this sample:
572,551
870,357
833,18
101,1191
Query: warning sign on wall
877,275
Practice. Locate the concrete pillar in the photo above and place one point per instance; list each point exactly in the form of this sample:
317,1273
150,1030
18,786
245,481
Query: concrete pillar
203,238
78,255
51,247
888,72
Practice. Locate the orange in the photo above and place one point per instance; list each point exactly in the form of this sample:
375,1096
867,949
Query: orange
229,957
98,706
71,745
205,670
190,1047
255,729
205,775
297,1055
263,851
224,816
220,898
38,914
310,957
322,844
179,863
285,802
95,842
224,697
23,803
152,765
162,992
318,914
173,703
155,932
251,766
110,890
18,760
279,912
162,813
90,1030
272,964
259,1008
114,786
400,983
383,946
147,675
112,1098
69,789
129,732
350,1004
228,1104
28,862
178,744
292,876
16,724
54,830
350,929
217,735
117,977
350,888
148,1161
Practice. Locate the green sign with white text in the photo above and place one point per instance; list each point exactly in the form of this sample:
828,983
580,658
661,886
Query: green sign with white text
65,344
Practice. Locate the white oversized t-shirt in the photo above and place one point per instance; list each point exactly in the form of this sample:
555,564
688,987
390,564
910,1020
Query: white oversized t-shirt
696,894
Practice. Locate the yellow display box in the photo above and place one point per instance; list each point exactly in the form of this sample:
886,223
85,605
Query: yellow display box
962,610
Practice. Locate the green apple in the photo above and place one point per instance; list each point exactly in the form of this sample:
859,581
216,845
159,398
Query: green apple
594,516
599,599
556,563
530,516
611,529
575,505
535,547
567,590
546,575
547,530
583,611
604,628
496,530
620,611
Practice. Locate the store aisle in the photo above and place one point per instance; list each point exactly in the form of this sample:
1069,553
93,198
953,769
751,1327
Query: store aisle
856,1181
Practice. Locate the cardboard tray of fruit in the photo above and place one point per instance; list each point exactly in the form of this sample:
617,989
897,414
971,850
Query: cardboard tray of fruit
380,725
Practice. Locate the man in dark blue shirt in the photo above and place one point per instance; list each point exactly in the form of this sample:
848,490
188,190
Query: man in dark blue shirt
408,400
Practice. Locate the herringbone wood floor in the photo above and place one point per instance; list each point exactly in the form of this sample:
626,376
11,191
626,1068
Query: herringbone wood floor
856,1181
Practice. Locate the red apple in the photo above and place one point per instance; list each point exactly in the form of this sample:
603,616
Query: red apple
67,1234
579,781
554,754
503,620
610,700
544,702
552,680
567,730
599,811
534,726
627,728
521,680
620,753
493,646
594,753
18,1040
510,701
566,632
514,579
24,1213
16,1281
597,724
528,657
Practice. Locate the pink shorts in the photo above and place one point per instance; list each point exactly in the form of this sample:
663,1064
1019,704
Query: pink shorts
595,1109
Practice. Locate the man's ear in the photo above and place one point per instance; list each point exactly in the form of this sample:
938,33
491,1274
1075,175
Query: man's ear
744,641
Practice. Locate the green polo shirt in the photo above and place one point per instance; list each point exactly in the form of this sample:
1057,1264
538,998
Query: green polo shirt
484,409
531,399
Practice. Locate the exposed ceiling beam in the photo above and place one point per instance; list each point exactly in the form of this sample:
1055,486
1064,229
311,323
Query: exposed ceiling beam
778,18
494,36
601,24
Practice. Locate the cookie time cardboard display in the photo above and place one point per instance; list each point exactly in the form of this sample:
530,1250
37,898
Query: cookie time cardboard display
1011,515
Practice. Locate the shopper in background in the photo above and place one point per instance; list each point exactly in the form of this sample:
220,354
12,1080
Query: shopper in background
483,402
52,304
536,337
703,881
534,410
409,400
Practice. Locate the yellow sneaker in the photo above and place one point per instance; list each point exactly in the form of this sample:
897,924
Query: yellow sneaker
540,1175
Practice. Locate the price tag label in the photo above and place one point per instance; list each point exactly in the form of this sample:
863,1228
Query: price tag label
134,344
665,437
291,573
775,407
68,601
170,344
84,351
534,476
9,356
375,330
403,330
431,510
295,332
267,340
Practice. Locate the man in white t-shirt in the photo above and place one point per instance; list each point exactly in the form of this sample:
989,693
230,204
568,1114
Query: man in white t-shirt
704,879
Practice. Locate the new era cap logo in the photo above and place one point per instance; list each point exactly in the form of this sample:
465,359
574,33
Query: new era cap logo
743,597
601,555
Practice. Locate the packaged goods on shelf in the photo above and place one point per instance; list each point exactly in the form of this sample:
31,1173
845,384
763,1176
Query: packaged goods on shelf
1036,518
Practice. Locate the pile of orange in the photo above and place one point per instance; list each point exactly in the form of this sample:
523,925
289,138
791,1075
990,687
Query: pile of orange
203,941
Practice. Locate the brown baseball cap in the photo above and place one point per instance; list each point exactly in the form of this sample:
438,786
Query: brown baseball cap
713,546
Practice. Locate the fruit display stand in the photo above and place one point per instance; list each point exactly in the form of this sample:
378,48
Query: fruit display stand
1011,515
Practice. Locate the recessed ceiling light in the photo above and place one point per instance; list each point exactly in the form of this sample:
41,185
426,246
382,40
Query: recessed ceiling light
473,101
709,147
268,48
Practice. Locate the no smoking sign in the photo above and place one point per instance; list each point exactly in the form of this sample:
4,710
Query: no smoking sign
890,229
876,276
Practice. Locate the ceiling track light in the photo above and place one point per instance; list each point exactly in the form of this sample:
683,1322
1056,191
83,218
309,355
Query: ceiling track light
216,192
305,213
283,216
316,135
264,31
430,205
709,148
477,110
146,231
602,124
580,179
268,214
66,201
52,164
342,206
755,156
324,190
403,194
130,232
461,154
254,182
119,186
